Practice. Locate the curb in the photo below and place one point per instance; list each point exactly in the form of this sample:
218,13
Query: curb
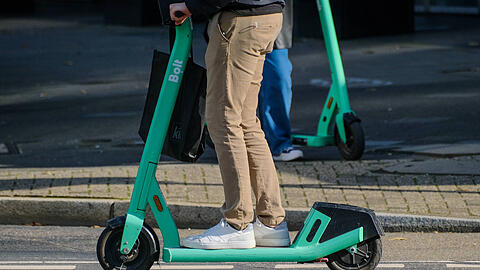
89,212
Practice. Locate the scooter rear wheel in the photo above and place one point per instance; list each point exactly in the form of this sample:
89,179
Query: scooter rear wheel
144,252
353,148
367,257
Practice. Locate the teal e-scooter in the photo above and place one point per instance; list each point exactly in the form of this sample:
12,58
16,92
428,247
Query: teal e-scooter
343,236
338,124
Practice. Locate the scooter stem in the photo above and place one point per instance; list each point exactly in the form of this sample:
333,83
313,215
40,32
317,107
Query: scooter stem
156,136
333,52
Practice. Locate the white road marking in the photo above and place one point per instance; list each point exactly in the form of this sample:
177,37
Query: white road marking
314,266
191,266
352,82
38,267
21,262
70,262
391,265
419,262
453,265
300,265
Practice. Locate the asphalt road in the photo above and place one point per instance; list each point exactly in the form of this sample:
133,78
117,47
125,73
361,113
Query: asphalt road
42,247
72,90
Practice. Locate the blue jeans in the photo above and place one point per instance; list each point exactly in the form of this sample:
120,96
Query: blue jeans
275,99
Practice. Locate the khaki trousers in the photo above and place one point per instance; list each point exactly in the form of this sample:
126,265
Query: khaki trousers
234,59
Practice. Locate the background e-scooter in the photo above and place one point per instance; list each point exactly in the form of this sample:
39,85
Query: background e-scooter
338,124
348,236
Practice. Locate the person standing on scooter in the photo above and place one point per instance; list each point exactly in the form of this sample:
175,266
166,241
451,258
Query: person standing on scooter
241,33
275,98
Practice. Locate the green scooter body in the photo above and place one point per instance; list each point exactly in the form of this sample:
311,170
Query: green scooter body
306,246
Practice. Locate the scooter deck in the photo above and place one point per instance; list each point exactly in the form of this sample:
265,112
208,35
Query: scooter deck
328,228
293,253
307,246
312,140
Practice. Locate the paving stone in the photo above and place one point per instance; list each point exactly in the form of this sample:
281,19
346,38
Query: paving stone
315,195
474,202
41,187
357,183
437,167
79,187
216,194
444,150
378,207
475,211
197,194
398,209
324,171
59,186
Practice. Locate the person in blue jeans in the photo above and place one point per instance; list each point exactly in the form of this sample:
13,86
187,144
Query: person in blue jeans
275,97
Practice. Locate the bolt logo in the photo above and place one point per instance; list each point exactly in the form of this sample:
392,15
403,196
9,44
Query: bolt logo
176,71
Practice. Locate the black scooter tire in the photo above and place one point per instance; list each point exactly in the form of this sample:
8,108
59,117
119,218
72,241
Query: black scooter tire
342,260
355,145
142,257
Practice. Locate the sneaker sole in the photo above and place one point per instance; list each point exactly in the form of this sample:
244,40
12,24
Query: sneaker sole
230,245
288,159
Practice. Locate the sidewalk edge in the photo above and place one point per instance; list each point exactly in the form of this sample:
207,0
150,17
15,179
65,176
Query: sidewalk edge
89,212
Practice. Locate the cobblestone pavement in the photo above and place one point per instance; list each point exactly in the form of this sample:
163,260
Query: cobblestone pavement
363,183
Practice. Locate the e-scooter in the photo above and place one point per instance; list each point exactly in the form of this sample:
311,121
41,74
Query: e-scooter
338,124
346,237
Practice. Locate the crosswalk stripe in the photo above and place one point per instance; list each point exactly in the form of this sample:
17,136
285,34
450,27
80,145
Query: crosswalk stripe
301,265
419,262
21,262
191,266
456,265
37,267
70,262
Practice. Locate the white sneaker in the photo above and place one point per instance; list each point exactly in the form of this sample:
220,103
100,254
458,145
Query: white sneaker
288,154
271,237
222,236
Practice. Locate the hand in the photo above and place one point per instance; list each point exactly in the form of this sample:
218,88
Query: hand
183,9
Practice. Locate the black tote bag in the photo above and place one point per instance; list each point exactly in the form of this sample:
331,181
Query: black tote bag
185,140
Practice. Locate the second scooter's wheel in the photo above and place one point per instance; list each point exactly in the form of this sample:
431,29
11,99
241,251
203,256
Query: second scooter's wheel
144,253
353,148
367,257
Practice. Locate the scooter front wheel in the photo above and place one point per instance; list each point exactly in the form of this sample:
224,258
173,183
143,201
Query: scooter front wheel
353,148
142,256
366,257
